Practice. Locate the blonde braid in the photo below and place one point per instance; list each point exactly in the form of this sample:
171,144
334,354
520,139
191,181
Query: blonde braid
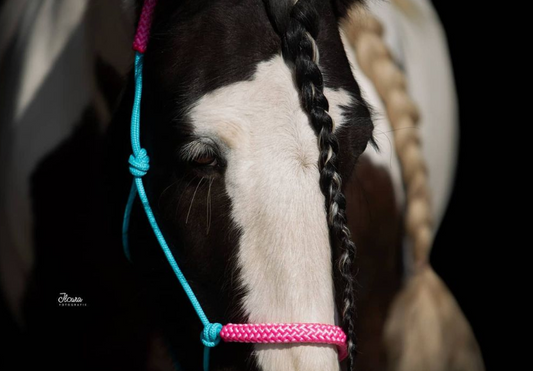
376,62
425,330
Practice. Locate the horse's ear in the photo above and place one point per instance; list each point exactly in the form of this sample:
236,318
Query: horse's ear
342,7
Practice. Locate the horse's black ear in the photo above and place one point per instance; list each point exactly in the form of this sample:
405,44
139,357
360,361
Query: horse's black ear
342,7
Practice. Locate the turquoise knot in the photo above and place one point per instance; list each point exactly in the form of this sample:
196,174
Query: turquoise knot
211,334
140,164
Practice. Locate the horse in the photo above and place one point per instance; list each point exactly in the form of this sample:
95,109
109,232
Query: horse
255,127
238,127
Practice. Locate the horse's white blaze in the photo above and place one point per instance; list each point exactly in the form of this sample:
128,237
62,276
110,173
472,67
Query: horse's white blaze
272,179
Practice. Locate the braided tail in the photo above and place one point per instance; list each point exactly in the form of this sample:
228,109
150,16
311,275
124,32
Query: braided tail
300,51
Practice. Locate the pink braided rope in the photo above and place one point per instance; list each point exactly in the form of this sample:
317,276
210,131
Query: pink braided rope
143,28
286,333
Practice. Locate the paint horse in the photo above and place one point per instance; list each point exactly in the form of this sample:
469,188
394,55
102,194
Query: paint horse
255,126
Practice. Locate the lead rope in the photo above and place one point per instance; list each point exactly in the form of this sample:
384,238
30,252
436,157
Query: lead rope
212,333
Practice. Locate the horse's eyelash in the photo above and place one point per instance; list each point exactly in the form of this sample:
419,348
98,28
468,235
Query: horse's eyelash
197,149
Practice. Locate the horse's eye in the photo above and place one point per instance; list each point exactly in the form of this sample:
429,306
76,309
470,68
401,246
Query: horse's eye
206,160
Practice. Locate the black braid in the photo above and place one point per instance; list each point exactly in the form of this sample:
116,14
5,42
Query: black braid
300,51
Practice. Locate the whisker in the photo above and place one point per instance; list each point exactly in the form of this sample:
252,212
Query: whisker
209,212
165,190
192,201
187,186
181,195
398,129
390,144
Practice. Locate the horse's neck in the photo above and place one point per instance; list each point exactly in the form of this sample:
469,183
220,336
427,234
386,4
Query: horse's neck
414,36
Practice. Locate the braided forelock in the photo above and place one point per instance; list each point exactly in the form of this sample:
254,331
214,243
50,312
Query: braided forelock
301,27
278,12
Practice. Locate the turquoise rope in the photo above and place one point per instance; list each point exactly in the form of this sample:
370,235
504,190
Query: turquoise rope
139,166
126,221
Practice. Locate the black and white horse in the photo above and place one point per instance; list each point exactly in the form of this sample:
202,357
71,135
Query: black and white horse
232,114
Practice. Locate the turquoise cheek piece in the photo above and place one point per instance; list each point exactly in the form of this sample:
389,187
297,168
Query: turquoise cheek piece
139,166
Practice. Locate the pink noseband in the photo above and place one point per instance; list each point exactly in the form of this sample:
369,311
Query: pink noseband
283,333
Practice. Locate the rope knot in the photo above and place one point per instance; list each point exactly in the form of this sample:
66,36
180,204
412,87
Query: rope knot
211,334
139,164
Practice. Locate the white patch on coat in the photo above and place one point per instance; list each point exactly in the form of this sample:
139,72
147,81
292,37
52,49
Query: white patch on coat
272,179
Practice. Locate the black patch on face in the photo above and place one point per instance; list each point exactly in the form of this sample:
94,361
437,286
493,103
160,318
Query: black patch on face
204,45
195,48
341,7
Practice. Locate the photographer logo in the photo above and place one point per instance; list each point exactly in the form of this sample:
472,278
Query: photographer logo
67,301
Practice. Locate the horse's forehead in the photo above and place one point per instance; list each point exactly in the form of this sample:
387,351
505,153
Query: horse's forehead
272,181
201,48
222,45
264,108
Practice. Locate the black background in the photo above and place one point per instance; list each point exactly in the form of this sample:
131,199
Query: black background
473,246
470,250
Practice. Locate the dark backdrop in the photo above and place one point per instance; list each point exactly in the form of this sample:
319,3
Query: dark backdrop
471,250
